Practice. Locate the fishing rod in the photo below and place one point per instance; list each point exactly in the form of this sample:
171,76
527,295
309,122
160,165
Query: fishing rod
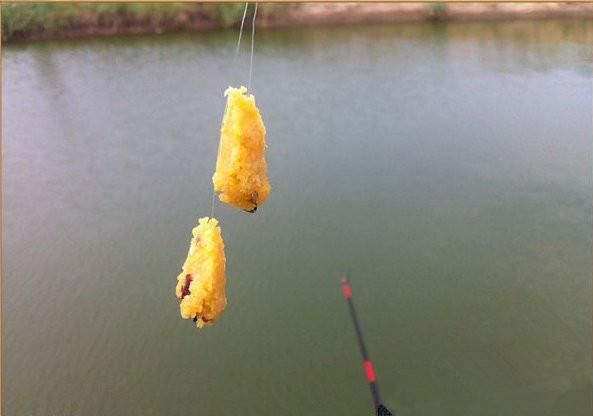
380,408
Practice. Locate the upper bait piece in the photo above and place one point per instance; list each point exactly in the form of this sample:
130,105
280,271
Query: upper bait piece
241,177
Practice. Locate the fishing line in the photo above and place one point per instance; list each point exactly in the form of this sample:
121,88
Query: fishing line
252,45
241,29
250,69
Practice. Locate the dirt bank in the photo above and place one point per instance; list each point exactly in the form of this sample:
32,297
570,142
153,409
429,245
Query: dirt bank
195,18
351,13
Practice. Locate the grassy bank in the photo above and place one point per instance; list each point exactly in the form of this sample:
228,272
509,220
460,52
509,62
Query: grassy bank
49,20
30,21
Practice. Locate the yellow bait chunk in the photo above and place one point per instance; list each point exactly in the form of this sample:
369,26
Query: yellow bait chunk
241,177
201,284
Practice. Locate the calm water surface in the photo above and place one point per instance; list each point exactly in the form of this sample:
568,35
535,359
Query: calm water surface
448,167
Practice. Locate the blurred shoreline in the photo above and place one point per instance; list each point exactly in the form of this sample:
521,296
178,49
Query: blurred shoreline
22,22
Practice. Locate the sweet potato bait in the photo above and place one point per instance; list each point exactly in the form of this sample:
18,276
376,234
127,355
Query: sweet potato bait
201,284
241,177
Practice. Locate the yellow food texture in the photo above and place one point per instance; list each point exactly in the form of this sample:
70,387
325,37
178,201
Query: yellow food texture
241,177
201,284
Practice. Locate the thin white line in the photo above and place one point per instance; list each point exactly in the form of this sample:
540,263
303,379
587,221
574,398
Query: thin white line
241,30
252,43
213,199
250,69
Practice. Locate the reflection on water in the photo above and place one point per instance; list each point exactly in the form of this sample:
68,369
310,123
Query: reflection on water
447,166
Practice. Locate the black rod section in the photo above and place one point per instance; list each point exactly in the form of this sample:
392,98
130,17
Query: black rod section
380,408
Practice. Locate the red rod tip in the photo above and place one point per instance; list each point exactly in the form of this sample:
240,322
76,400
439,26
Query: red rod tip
347,290
370,371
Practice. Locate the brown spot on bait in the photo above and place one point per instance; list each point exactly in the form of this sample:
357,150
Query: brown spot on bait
185,290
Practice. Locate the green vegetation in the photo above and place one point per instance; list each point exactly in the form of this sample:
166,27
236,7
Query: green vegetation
26,18
226,13
437,11
229,14
50,17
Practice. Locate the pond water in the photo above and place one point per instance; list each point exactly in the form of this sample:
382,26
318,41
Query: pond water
446,166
